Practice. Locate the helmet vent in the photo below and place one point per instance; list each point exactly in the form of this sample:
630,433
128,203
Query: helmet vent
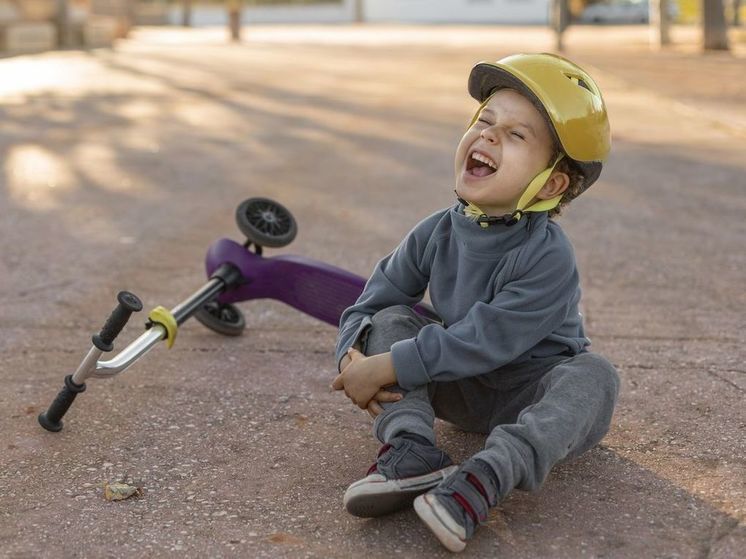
579,81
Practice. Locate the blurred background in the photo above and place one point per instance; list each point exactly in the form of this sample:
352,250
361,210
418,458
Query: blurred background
34,25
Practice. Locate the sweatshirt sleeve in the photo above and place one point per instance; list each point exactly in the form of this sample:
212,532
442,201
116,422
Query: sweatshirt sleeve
492,334
398,279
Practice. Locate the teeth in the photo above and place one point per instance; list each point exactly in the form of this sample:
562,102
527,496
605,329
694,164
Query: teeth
484,159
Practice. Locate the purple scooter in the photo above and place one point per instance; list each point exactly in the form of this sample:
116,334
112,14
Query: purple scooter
237,272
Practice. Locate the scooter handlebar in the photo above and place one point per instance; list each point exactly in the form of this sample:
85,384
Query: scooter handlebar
128,303
51,419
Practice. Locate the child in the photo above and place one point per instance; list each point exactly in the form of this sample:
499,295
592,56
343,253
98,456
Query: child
510,357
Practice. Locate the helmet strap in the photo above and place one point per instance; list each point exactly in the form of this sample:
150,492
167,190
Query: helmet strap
533,188
484,220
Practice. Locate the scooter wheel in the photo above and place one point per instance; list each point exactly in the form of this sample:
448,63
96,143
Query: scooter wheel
223,318
266,223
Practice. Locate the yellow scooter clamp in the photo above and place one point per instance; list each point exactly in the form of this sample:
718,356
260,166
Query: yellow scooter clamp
161,315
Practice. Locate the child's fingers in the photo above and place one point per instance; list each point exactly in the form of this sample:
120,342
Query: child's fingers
374,408
386,396
354,354
338,383
344,362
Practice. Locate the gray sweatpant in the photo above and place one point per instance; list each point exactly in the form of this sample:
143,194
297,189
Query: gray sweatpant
534,414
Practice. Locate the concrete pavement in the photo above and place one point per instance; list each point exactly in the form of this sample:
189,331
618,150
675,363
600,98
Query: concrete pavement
121,167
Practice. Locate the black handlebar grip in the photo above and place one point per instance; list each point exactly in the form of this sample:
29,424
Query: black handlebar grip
51,420
128,303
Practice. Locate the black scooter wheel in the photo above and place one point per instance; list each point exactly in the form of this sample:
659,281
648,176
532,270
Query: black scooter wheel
223,318
266,223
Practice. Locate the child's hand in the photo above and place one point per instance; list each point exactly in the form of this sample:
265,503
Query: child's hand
346,358
363,377
374,406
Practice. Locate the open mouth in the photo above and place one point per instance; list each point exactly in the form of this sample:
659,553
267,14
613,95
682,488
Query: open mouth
479,165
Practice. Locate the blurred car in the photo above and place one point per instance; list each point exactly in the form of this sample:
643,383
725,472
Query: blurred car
623,11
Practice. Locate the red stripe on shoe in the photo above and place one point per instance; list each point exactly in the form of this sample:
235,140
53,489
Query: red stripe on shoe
471,478
467,507
374,468
383,449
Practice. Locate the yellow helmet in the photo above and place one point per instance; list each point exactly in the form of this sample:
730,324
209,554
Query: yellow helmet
564,93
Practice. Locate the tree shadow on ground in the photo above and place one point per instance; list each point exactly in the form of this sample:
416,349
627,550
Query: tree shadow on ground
153,177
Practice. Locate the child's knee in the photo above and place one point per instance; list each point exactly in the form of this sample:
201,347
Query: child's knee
596,371
389,326
605,374
396,314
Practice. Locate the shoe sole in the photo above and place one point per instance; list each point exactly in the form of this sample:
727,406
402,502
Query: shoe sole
375,496
440,523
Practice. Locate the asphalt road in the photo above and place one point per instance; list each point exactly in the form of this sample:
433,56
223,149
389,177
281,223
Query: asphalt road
121,167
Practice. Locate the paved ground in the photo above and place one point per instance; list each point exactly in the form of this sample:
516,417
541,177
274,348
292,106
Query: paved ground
119,169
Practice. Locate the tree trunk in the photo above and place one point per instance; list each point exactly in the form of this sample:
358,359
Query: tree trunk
560,20
714,30
660,23
359,11
64,38
234,19
186,13
736,14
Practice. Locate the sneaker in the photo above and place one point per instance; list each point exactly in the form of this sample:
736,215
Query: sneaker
455,508
403,469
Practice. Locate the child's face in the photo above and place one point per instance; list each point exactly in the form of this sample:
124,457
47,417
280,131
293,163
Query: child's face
510,133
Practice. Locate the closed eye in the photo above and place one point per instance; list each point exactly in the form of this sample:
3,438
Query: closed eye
518,135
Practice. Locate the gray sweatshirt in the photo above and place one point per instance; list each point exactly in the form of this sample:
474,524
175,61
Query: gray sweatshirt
505,295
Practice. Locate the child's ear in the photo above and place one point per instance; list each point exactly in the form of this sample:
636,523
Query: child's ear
557,183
